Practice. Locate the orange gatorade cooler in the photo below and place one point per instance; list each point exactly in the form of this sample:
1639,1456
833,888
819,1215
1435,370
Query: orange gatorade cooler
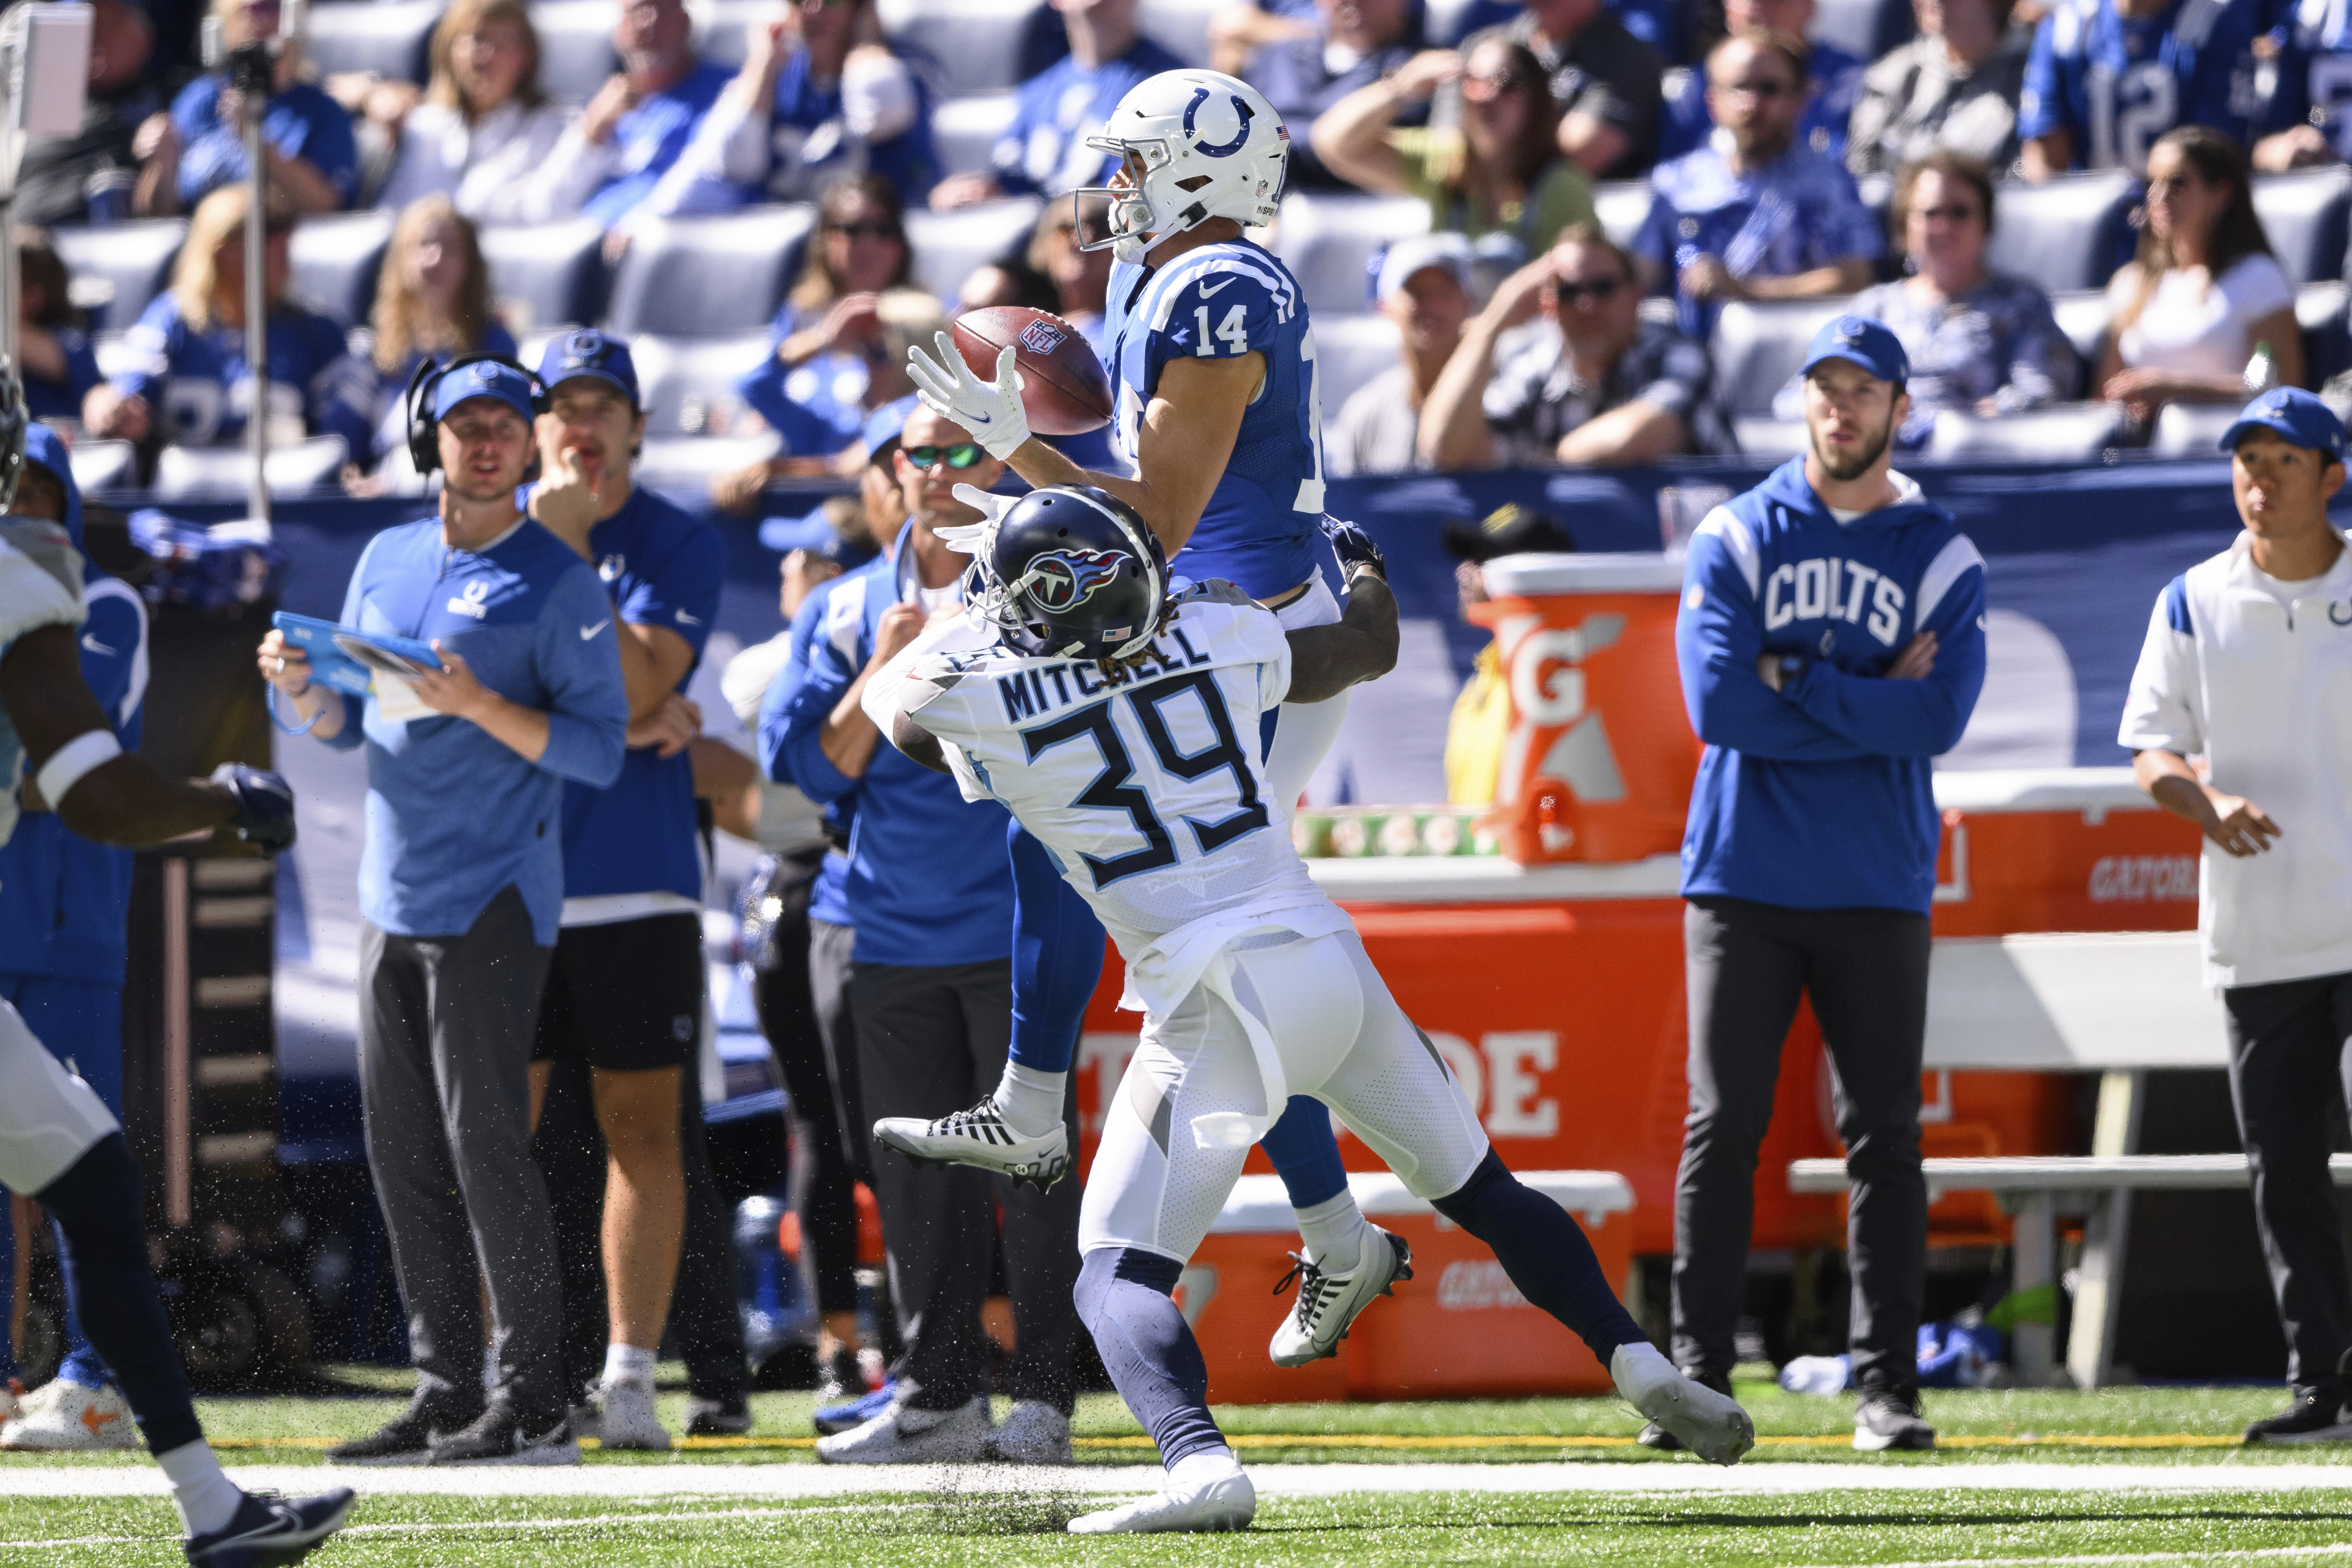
1599,758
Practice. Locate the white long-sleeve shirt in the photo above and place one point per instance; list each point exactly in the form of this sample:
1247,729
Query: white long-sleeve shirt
2256,674
492,169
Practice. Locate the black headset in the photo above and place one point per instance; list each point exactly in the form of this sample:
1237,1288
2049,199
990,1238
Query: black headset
424,446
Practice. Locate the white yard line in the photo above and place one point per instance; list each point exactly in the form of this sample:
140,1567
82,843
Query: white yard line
788,1482
2241,1554
585,1521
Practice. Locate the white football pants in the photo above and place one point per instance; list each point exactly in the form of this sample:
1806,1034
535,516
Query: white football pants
48,1118
1342,1039
1303,732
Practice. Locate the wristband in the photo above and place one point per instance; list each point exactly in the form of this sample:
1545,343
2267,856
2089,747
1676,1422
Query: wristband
269,700
66,766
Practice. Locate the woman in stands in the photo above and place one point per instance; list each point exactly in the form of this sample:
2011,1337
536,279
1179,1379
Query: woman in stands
1979,342
53,350
2190,311
186,375
196,147
432,301
1499,171
484,127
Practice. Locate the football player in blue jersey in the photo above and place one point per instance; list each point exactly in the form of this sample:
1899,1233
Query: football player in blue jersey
1219,413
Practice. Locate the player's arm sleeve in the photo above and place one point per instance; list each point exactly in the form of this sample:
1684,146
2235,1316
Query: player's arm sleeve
1912,718
834,660
114,649
2161,713
2041,103
1718,638
681,592
587,709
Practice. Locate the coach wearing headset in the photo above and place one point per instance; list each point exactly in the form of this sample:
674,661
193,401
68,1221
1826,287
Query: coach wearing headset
461,885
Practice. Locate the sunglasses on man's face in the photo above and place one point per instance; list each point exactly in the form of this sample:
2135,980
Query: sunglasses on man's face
962,454
1570,294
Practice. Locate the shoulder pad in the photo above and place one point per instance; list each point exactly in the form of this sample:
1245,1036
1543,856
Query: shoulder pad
40,577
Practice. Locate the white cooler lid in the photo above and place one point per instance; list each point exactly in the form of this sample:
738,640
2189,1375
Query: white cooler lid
1623,572
1259,1206
2041,789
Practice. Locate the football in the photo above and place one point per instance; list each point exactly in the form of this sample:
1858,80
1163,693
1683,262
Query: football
1062,386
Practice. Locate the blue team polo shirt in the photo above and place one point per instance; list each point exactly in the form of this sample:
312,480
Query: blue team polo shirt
302,123
454,815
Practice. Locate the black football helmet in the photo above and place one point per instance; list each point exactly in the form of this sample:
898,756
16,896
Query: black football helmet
1071,571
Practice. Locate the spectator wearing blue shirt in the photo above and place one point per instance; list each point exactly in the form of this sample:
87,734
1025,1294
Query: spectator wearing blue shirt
1832,79
432,301
64,902
1044,151
931,996
1355,42
2106,77
1763,217
2313,106
53,353
619,157
818,409
461,891
188,382
198,146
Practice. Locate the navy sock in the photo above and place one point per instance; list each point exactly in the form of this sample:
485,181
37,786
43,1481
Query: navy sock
1124,1299
1305,1153
1545,1252
7,1285
1057,958
98,1204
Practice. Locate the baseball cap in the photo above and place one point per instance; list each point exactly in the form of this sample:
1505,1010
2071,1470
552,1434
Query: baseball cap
590,352
2298,415
1864,341
888,423
1509,529
511,385
1448,252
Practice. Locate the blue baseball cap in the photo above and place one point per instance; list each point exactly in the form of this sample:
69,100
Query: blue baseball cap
888,423
2296,415
590,352
508,384
1864,341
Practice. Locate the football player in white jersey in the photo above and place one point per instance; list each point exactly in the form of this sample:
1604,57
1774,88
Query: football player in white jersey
1218,414
58,1144
1117,723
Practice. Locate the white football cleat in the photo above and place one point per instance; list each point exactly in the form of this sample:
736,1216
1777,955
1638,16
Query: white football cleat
625,1416
1330,1302
62,1416
11,1394
1710,1425
1033,1433
980,1137
1203,1492
902,1435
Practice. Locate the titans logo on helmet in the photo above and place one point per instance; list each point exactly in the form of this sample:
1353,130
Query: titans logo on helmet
1062,580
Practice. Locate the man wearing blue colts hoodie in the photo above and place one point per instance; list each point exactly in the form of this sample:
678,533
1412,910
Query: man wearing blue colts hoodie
461,883
1832,645
64,902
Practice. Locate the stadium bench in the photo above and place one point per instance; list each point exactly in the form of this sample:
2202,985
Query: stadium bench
388,37
1760,345
2303,215
708,276
2118,1004
218,473
687,384
1325,241
964,131
546,274
2068,234
951,247
2192,429
1351,349
973,46
118,269
2068,433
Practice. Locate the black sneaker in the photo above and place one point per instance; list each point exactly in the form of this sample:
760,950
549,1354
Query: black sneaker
268,1530
2316,1416
726,1417
405,1439
1889,1418
503,1437
1656,1436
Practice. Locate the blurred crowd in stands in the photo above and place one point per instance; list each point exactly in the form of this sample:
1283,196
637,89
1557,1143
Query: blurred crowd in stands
1634,209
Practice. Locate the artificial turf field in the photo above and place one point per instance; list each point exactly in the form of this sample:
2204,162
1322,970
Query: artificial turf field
2135,1475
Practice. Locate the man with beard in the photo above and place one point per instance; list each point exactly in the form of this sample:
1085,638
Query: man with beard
1832,645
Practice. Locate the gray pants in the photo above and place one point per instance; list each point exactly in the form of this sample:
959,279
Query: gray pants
1747,965
931,1041
446,1029
2290,1060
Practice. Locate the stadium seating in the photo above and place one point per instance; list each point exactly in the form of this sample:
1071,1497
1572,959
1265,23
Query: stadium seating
2190,429
2071,233
388,37
1621,206
687,385
543,275
1760,345
1350,350
975,44
2070,433
1767,439
965,130
2320,310
2082,317
103,465
1181,28
336,261
950,245
1863,29
218,473
2303,215
575,46
118,269
701,277
722,27
685,465
1325,241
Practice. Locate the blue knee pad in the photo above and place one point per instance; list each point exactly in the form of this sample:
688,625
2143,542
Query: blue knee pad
1057,958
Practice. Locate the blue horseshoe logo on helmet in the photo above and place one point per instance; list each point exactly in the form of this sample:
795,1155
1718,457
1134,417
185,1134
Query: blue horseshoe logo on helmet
1225,150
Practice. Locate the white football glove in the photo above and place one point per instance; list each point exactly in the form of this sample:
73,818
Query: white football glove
991,411
976,538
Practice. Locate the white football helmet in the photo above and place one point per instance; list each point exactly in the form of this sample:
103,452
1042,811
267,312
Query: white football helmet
1195,144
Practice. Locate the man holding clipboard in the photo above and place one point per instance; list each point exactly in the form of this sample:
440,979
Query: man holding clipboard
461,883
